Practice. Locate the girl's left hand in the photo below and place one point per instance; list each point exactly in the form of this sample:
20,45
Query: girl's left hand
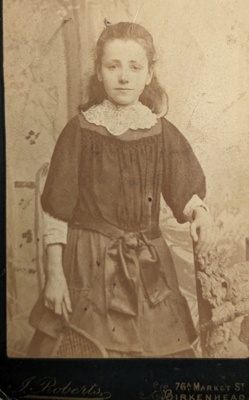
203,232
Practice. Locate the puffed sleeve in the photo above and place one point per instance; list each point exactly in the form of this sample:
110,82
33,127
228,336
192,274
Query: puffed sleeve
182,174
60,193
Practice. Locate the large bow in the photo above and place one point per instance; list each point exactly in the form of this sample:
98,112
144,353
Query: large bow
128,257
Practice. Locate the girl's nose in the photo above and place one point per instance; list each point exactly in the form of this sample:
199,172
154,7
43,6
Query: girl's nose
124,76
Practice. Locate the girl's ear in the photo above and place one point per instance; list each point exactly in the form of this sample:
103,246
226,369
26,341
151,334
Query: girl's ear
149,77
99,75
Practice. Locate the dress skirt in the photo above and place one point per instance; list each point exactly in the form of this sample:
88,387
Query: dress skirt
127,324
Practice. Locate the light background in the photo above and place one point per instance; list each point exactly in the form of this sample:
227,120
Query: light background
203,62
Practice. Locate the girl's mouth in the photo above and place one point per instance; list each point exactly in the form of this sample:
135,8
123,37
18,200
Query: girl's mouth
123,89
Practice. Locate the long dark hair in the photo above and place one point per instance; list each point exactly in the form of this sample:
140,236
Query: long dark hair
153,96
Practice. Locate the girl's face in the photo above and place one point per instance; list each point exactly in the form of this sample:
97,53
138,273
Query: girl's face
124,71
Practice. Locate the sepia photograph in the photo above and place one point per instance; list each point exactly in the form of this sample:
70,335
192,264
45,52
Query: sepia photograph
127,158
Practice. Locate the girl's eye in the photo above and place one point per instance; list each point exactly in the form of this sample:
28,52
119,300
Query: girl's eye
135,67
112,67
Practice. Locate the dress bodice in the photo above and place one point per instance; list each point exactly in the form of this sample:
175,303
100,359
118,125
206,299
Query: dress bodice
120,179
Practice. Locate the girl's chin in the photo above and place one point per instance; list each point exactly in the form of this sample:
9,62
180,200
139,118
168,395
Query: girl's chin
123,103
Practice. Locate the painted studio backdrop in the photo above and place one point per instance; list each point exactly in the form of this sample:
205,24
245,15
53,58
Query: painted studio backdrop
203,64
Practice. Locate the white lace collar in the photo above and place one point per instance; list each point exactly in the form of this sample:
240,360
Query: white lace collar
118,119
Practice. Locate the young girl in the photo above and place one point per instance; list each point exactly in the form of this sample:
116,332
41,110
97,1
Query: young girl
112,274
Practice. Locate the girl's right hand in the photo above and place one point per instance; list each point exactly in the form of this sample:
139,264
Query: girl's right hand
57,296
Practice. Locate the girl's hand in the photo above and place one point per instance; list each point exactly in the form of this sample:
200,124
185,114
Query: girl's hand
204,233
57,296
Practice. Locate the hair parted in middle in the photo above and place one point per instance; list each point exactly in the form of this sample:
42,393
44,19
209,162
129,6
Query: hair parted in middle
153,96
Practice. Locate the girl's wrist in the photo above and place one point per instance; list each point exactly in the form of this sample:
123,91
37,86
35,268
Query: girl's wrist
200,210
54,265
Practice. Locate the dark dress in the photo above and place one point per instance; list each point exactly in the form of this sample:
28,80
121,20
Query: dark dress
119,270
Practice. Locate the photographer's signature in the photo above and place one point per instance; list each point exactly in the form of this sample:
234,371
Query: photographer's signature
49,388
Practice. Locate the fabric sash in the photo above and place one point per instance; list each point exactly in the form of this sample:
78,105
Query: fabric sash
130,258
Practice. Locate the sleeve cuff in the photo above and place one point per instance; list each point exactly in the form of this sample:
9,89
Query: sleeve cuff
193,203
55,230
